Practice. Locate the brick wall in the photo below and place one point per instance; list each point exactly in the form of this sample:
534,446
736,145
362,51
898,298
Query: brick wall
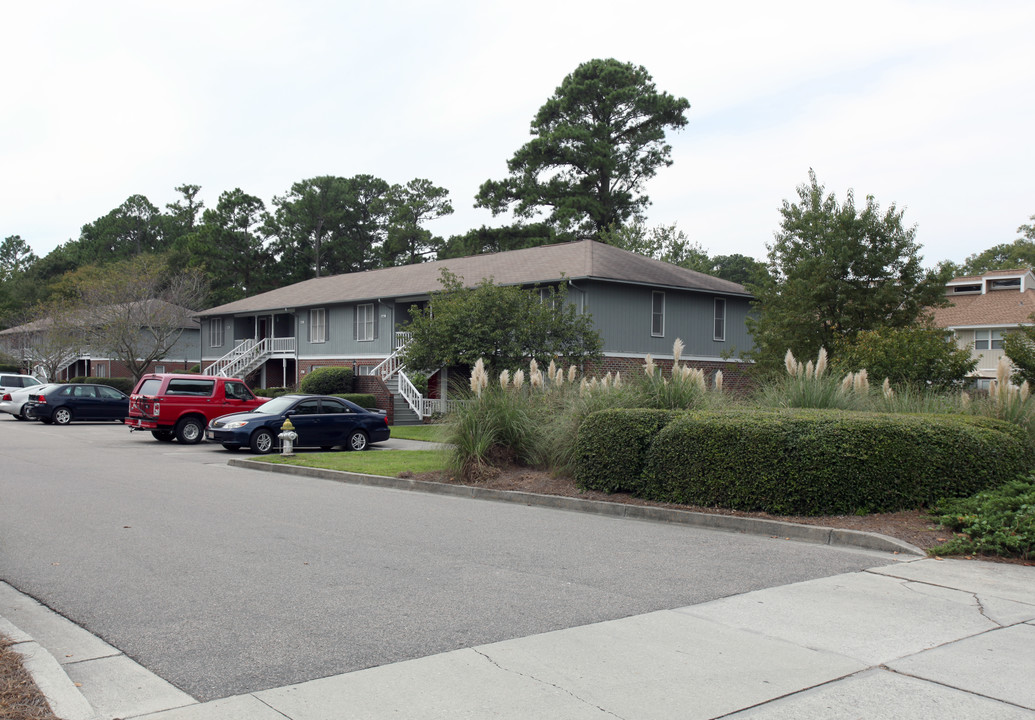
374,385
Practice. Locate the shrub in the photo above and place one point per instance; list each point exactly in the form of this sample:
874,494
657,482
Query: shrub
328,381
491,428
612,446
824,462
993,522
364,400
918,355
124,385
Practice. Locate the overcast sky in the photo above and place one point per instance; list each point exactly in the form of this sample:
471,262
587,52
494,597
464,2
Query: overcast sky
925,104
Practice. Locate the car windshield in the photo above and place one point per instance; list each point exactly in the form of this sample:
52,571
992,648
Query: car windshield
276,406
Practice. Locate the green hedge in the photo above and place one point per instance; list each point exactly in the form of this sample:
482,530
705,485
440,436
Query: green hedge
612,446
328,381
122,384
362,399
807,462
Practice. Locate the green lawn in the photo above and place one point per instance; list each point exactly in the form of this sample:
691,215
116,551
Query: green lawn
428,433
372,462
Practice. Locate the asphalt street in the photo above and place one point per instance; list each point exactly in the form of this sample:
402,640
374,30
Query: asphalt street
225,580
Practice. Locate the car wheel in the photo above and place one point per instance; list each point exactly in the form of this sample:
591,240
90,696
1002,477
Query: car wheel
163,435
62,416
20,417
189,431
358,440
231,446
262,442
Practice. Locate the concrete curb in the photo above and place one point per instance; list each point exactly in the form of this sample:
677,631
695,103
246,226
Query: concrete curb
730,523
64,698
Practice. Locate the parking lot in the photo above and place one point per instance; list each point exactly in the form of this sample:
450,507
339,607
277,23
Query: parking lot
225,580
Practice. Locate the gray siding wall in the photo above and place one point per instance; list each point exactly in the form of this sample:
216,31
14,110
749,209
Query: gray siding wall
622,315
186,348
341,342
207,350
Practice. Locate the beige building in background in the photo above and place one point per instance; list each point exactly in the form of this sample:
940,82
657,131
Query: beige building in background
984,308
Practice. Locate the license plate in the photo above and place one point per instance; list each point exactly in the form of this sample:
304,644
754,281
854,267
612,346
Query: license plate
209,435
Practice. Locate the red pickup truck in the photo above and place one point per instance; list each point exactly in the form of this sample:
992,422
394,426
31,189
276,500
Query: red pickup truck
181,406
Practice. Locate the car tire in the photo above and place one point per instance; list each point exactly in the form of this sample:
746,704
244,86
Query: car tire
20,417
163,435
262,442
62,416
231,446
358,440
190,431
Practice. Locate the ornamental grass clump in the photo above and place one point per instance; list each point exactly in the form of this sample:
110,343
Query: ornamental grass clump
685,388
1008,402
809,385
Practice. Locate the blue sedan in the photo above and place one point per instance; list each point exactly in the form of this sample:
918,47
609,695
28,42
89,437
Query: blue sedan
61,404
320,421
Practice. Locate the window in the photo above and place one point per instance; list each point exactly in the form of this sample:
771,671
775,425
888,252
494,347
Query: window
185,386
365,326
317,325
657,315
108,393
988,339
237,391
1009,284
967,289
720,320
159,368
215,332
100,370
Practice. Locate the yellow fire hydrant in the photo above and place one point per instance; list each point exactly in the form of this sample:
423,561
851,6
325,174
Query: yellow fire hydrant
287,438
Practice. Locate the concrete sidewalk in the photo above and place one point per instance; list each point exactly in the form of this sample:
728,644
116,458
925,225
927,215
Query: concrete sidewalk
942,638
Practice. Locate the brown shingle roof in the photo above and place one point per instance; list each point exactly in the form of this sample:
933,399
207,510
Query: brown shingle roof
575,261
997,307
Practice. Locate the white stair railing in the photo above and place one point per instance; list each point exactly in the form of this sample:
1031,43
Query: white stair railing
393,363
424,407
248,355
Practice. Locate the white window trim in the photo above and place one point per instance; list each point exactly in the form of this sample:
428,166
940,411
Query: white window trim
989,337
719,337
653,295
365,331
317,322
216,338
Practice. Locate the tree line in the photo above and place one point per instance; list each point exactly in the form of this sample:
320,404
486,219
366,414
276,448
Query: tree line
835,270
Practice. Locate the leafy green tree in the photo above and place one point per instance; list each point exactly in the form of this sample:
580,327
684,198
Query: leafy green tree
504,325
1019,346
228,247
412,205
491,240
15,257
1006,256
917,355
597,140
835,271
183,214
739,269
664,242
134,227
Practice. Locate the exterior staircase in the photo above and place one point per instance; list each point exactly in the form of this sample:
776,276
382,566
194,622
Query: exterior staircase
248,355
403,413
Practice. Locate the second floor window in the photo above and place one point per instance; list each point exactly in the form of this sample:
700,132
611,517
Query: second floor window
215,332
988,339
720,319
657,314
317,325
365,326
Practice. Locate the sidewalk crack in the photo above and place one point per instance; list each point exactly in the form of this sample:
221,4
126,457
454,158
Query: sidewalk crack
550,684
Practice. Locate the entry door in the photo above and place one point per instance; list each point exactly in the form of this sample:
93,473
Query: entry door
264,328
